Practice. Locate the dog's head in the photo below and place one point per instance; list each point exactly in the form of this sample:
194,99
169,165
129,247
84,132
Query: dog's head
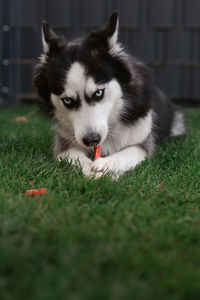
80,82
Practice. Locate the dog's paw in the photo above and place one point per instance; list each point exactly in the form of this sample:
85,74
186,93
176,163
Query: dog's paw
78,160
87,168
107,165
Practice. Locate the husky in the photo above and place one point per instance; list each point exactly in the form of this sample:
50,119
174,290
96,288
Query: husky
98,94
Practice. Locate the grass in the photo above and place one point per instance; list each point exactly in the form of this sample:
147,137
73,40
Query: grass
137,238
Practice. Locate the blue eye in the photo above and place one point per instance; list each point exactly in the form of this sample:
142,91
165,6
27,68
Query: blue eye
67,101
71,103
99,93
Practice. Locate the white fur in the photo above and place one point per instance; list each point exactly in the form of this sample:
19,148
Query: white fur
44,44
114,46
43,58
122,136
178,125
75,81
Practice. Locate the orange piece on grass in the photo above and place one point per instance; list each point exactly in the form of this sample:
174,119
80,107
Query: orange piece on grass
34,192
21,119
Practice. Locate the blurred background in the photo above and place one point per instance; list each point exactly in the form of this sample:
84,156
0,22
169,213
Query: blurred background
164,33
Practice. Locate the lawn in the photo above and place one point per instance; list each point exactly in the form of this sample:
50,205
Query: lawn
135,238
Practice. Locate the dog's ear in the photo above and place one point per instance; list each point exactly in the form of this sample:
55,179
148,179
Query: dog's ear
50,40
111,29
106,38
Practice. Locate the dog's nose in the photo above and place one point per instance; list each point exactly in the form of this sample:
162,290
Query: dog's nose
92,139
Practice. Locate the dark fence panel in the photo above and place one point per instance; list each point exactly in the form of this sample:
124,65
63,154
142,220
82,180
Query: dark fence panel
164,33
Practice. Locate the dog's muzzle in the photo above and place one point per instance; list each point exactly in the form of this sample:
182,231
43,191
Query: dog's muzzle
91,139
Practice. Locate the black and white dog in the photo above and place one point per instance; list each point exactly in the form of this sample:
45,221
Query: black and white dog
97,94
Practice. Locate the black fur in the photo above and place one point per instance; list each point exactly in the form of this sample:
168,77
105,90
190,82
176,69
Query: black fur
138,95
163,116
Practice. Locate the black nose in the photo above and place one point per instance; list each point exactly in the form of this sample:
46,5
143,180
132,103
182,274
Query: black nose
91,139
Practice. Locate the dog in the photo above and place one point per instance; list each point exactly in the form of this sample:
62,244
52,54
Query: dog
98,94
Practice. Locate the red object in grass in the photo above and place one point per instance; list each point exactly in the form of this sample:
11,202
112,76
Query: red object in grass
97,152
34,192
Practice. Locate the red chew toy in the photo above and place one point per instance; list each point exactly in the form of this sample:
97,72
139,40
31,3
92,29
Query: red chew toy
34,192
97,152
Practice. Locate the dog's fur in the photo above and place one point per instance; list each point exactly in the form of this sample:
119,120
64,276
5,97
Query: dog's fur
98,94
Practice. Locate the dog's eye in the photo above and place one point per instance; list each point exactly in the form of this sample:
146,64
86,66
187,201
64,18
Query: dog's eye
68,102
71,103
98,95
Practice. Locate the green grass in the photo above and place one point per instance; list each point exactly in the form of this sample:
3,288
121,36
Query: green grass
135,238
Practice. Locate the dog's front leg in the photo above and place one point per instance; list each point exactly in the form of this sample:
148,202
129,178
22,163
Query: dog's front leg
74,153
120,162
77,156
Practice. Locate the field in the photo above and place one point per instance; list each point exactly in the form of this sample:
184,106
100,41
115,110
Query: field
135,238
